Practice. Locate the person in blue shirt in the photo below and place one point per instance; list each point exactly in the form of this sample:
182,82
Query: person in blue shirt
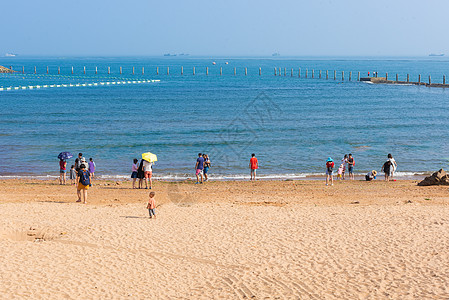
199,166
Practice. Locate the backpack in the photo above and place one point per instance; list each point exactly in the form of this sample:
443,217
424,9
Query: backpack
84,178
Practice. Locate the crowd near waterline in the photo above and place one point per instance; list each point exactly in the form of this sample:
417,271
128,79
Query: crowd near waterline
82,172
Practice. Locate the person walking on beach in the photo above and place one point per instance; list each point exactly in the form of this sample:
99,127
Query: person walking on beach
91,167
253,166
62,171
351,164
134,172
151,206
199,166
394,165
72,175
140,174
148,173
83,183
329,169
386,168
206,166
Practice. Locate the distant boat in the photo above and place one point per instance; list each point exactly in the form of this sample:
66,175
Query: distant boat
275,54
183,54
433,54
168,54
10,55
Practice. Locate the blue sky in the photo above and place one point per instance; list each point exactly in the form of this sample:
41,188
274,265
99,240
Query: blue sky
225,28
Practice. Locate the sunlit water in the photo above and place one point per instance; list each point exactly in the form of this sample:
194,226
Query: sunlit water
291,123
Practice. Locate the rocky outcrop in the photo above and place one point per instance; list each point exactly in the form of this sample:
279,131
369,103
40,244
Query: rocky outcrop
5,70
437,178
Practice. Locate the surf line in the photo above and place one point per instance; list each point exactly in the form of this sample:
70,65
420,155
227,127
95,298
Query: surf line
103,83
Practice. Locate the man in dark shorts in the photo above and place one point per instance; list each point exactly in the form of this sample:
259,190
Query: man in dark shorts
351,164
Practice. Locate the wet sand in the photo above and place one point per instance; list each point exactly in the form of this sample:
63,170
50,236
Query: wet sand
235,239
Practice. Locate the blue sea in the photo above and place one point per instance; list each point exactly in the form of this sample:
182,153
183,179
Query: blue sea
292,124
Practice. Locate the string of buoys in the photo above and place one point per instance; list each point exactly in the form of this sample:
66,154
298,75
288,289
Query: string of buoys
102,83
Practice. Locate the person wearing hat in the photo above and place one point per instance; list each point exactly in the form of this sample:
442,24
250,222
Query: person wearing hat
329,169
371,175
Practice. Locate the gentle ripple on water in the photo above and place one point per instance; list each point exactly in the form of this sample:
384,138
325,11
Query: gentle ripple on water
292,124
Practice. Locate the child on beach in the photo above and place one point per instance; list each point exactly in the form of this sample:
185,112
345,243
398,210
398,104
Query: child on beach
72,174
371,175
62,171
134,172
152,205
253,165
206,166
340,171
344,162
329,169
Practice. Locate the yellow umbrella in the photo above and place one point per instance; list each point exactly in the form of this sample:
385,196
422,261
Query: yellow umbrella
150,157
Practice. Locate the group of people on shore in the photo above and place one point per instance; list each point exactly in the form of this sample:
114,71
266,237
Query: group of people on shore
79,161
81,175
348,163
143,172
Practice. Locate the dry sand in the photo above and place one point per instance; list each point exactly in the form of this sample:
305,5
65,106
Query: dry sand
263,240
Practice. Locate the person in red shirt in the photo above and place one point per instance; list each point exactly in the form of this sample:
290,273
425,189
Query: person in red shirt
253,165
62,171
329,169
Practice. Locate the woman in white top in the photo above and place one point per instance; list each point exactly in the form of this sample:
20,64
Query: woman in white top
394,165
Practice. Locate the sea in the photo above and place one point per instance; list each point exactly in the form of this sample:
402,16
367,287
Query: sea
227,107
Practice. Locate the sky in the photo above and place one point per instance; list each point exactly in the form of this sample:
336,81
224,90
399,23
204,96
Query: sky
225,27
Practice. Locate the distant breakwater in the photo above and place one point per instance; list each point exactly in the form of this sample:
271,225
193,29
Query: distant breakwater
384,80
290,72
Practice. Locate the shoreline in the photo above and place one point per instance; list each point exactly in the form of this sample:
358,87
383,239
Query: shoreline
264,192
419,175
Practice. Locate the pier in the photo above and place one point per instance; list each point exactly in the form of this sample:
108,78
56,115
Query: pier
384,80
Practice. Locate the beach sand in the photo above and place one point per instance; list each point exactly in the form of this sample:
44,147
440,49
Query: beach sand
228,239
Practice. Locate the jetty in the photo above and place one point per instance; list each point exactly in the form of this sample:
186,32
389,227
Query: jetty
384,80
6,70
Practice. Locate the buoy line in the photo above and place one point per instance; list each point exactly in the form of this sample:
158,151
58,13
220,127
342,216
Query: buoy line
102,83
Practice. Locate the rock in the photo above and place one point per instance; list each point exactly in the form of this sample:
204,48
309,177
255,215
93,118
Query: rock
118,183
438,178
5,70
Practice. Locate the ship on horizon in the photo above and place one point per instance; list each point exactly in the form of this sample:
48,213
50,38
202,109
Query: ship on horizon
10,55
433,54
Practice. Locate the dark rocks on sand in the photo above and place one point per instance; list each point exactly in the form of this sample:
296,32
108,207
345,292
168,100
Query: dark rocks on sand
437,178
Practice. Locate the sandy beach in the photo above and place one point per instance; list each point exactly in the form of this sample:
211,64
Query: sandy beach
229,240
